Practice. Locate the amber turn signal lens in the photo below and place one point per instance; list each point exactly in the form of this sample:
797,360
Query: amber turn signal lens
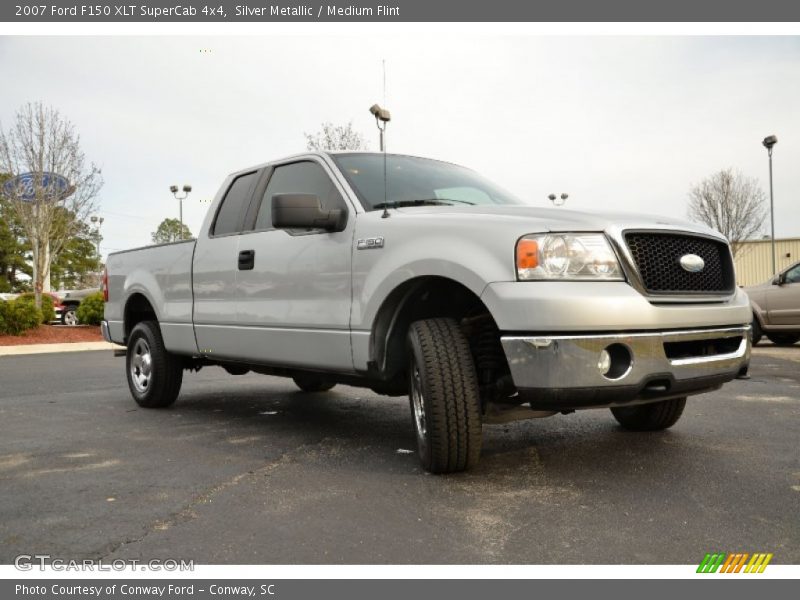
527,254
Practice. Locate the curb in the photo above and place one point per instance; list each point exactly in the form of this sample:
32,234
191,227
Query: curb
50,348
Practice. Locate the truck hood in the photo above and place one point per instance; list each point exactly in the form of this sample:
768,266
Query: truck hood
557,219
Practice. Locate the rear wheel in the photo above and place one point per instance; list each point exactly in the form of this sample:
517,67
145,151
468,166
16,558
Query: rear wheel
783,339
444,396
154,375
650,417
756,331
312,383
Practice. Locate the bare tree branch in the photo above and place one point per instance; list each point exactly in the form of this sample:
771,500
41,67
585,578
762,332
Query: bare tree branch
338,137
731,203
41,141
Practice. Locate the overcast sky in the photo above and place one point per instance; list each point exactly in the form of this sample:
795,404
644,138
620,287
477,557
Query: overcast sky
627,123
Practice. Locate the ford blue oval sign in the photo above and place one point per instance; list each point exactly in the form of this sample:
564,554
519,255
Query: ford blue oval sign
23,187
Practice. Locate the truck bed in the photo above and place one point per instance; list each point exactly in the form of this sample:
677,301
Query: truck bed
165,270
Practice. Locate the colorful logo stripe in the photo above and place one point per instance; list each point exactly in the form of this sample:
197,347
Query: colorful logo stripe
734,562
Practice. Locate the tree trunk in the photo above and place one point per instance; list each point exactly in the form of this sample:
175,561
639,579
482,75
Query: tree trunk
38,272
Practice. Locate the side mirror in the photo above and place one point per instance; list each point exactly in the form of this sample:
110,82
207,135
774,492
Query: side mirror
779,279
303,211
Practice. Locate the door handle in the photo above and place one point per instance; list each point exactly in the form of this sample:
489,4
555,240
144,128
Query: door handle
247,260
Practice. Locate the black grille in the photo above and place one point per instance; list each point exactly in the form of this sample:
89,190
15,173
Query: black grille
657,256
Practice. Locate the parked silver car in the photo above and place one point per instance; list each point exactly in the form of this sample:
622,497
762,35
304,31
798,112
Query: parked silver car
776,308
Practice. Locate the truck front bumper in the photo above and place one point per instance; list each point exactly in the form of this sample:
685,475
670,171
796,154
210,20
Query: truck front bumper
563,372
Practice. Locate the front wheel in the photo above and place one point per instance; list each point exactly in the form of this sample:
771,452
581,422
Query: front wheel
69,316
154,375
444,396
756,331
783,339
650,417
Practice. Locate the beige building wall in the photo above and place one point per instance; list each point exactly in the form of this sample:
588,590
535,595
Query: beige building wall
754,259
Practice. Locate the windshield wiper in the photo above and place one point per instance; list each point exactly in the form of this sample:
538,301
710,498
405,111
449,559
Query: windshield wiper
421,202
399,203
459,201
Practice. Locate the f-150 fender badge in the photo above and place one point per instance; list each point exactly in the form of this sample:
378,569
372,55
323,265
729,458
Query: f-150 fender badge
369,243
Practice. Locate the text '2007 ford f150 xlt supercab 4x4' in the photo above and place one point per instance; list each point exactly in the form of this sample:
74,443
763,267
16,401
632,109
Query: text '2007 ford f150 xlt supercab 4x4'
414,276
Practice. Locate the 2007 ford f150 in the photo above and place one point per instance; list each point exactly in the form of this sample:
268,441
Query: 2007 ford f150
413,276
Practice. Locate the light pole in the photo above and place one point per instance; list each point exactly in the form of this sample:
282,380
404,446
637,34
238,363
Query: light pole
382,117
768,143
97,222
186,190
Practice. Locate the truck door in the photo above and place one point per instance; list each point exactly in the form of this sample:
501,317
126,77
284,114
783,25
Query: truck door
294,300
783,301
214,272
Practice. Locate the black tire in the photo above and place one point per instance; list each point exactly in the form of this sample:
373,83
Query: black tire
756,333
154,382
444,396
783,339
312,383
650,417
69,316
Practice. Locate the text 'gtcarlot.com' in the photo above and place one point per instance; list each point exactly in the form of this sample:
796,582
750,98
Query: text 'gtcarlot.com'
28,562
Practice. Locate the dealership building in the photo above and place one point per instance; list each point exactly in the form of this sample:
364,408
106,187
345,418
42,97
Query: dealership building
754,259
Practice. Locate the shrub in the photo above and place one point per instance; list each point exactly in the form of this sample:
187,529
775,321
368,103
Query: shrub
18,316
48,309
90,310
3,316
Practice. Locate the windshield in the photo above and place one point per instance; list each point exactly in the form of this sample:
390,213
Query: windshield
416,181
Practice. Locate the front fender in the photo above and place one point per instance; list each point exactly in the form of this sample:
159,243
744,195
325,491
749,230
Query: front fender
376,289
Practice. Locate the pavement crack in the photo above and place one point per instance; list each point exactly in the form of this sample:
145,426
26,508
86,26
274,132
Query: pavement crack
187,512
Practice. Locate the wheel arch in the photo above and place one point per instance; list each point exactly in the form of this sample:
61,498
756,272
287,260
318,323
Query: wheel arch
758,314
423,297
138,308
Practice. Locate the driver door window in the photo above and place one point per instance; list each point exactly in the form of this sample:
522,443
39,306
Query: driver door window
298,178
793,275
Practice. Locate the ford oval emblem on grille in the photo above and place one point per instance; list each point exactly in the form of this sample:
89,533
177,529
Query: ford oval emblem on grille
692,263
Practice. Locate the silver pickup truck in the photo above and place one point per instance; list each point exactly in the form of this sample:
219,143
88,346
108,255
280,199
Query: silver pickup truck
414,276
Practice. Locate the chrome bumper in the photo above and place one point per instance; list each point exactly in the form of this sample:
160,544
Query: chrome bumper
104,331
568,371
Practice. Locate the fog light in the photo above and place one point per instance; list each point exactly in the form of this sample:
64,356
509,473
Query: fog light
604,363
618,361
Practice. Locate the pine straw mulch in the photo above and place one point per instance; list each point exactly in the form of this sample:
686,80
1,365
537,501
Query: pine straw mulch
54,334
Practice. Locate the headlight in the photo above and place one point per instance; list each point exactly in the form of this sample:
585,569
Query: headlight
559,256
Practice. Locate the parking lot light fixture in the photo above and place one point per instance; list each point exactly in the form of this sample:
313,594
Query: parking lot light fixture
98,223
186,189
382,117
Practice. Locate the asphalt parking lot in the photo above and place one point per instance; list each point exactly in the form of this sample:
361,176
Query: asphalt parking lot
247,470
